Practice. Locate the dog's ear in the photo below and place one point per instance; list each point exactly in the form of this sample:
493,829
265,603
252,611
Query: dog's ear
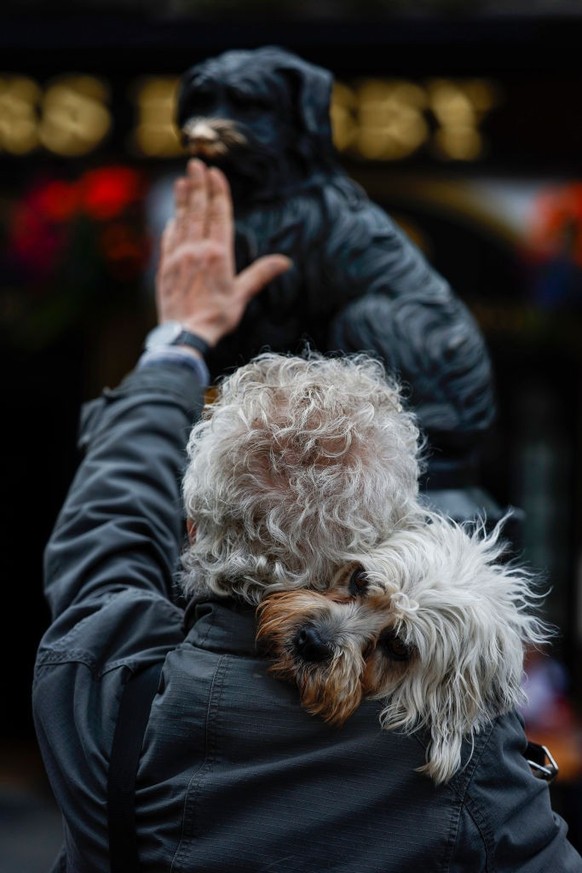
311,95
469,694
487,631
481,682
310,87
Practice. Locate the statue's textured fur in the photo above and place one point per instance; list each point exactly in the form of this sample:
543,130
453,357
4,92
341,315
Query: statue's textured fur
358,282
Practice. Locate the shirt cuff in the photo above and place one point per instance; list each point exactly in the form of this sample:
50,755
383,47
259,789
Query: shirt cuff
179,357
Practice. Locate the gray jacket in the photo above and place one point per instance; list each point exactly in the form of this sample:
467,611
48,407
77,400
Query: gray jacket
234,775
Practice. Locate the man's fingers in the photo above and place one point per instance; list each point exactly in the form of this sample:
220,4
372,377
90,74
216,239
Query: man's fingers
220,224
260,273
198,195
173,229
194,215
181,195
203,207
166,238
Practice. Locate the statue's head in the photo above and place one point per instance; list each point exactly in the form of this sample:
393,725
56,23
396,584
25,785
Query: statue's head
261,115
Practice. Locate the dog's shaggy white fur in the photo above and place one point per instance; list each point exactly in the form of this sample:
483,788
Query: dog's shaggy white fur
433,622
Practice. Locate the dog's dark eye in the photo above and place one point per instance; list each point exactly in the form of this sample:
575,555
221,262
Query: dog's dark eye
393,647
238,97
248,98
358,583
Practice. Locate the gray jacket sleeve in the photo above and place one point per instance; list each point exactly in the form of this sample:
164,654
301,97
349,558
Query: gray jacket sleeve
121,523
507,823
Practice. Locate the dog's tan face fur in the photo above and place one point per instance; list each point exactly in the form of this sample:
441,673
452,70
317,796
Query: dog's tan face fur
337,646
212,138
321,646
391,655
430,622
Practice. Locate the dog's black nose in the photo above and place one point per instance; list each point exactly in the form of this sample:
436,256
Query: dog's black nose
310,645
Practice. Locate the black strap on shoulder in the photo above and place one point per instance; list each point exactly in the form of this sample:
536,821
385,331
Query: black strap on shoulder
134,709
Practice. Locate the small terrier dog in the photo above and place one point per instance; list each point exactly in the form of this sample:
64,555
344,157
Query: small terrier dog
432,622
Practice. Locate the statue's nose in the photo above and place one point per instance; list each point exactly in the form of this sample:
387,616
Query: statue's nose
311,646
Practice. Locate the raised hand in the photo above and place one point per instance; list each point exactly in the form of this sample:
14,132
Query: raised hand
196,282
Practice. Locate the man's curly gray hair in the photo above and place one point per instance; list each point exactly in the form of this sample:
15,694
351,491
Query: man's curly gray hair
298,461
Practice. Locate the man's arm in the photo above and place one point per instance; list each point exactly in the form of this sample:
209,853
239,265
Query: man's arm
121,524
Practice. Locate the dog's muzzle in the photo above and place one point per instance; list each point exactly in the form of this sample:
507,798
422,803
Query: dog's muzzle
311,646
211,138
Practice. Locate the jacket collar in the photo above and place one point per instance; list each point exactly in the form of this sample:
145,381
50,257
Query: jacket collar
221,624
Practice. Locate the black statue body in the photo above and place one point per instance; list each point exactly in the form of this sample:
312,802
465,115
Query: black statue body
358,282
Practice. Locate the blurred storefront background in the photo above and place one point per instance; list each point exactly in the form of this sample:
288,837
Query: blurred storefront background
465,127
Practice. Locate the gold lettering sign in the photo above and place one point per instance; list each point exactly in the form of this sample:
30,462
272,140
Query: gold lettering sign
19,97
372,118
391,119
155,134
75,118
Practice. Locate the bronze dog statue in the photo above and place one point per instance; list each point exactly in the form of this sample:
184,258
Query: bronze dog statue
358,282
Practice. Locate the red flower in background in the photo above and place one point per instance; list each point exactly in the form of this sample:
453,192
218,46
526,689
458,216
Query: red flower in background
37,236
75,250
106,193
41,231
57,200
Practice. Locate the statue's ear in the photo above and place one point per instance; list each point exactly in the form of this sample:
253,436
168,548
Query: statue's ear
311,96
